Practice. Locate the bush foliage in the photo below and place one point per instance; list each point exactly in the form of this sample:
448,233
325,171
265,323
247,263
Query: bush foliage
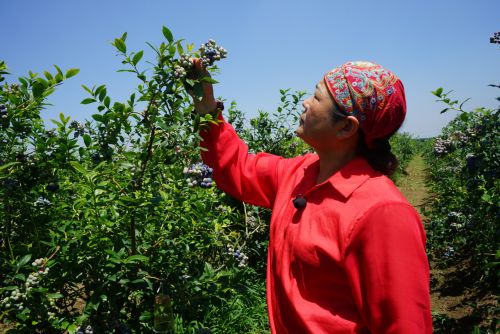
462,210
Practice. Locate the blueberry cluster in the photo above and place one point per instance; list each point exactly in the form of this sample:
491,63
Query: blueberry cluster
198,174
239,256
34,278
251,220
449,252
461,137
39,263
15,300
179,72
42,202
16,297
495,39
53,186
86,330
472,162
442,146
3,114
79,129
211,52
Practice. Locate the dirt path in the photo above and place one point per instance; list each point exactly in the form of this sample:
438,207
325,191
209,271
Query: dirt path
412,185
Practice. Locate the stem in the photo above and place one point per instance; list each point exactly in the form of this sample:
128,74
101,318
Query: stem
138,183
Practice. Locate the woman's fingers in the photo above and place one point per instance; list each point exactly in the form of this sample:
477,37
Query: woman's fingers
207,103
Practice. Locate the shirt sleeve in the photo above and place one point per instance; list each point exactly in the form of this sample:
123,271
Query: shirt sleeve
388,270
252,178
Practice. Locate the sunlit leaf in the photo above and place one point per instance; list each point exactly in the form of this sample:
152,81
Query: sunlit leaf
88,100
137,57
168,34
72,72
120,45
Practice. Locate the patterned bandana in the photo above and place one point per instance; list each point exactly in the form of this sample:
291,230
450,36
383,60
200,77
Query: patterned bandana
374,95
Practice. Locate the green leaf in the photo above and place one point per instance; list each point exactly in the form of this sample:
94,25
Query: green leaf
198,90
25,259
20,277
23,82
7,165
88,100
137,258
209,80
58,78
137,57
107,101
48,75
145,316
461,104
87,140
56,295
98,117
172,50
168,34
58,70
120,45
438,92
79,168
98,90
63,119
88,90
37,89
102,94
72,72
21,316
180,49
72,328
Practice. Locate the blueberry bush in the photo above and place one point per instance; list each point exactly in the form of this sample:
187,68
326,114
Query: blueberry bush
463,231
113,224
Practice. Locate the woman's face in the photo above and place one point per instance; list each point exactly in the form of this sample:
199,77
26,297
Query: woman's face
317,126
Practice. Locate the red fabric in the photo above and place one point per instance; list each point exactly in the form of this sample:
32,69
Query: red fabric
371,93
352,261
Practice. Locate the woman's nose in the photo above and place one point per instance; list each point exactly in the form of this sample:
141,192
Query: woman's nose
305,104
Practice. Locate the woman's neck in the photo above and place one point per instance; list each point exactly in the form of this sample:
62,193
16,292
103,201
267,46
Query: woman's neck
332,162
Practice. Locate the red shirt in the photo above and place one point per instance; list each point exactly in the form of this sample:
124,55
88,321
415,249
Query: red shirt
352,261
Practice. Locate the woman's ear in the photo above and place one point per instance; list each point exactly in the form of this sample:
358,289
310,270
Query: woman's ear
349,127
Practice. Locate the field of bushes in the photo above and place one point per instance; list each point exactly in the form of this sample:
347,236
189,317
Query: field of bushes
112,225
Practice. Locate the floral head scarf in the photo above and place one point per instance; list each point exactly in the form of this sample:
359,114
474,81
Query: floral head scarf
374,95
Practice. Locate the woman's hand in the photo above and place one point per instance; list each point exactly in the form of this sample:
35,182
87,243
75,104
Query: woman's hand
207,103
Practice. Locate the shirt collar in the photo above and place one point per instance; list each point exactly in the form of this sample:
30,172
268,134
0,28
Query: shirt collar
351,176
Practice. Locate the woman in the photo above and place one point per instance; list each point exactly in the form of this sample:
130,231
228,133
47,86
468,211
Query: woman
346,250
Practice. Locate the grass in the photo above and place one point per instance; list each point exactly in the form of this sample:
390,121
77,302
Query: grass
412,184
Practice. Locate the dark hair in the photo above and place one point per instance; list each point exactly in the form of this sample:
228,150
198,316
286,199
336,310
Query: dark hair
379,155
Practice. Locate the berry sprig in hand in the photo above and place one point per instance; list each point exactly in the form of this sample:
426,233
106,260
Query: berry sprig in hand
209,53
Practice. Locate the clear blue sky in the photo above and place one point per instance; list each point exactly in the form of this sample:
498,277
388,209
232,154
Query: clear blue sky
272,44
